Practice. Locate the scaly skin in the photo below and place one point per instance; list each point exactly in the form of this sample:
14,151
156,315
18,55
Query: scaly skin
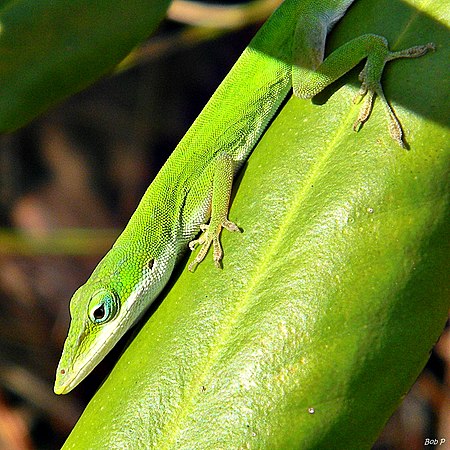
286,53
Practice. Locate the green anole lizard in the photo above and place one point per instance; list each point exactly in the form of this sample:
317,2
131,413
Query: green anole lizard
194,184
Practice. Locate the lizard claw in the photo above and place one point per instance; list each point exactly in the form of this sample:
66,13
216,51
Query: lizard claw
210,236
371,87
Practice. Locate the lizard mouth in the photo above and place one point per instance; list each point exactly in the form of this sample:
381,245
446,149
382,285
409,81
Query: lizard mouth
77,363
70,373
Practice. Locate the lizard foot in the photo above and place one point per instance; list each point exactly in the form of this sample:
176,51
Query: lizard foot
371,86
210,235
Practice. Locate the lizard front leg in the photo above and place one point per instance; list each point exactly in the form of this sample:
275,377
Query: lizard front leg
220,201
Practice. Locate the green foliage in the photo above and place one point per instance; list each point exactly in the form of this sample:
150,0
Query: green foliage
50,49
332,296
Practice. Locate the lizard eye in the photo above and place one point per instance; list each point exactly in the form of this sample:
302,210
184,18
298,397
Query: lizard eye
103,306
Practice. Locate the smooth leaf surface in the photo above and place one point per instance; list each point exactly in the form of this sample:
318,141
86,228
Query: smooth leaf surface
50,49
332,296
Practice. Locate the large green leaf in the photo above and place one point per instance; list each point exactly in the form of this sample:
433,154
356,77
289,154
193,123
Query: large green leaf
332,297
50,49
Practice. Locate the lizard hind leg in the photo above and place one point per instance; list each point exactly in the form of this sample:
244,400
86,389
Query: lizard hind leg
371,86
309,82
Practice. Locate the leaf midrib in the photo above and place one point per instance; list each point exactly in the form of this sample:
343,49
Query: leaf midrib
174,426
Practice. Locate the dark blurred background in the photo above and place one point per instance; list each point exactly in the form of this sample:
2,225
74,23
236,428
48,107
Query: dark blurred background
69,183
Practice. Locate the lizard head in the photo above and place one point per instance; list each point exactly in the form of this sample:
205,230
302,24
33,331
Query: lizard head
119,290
